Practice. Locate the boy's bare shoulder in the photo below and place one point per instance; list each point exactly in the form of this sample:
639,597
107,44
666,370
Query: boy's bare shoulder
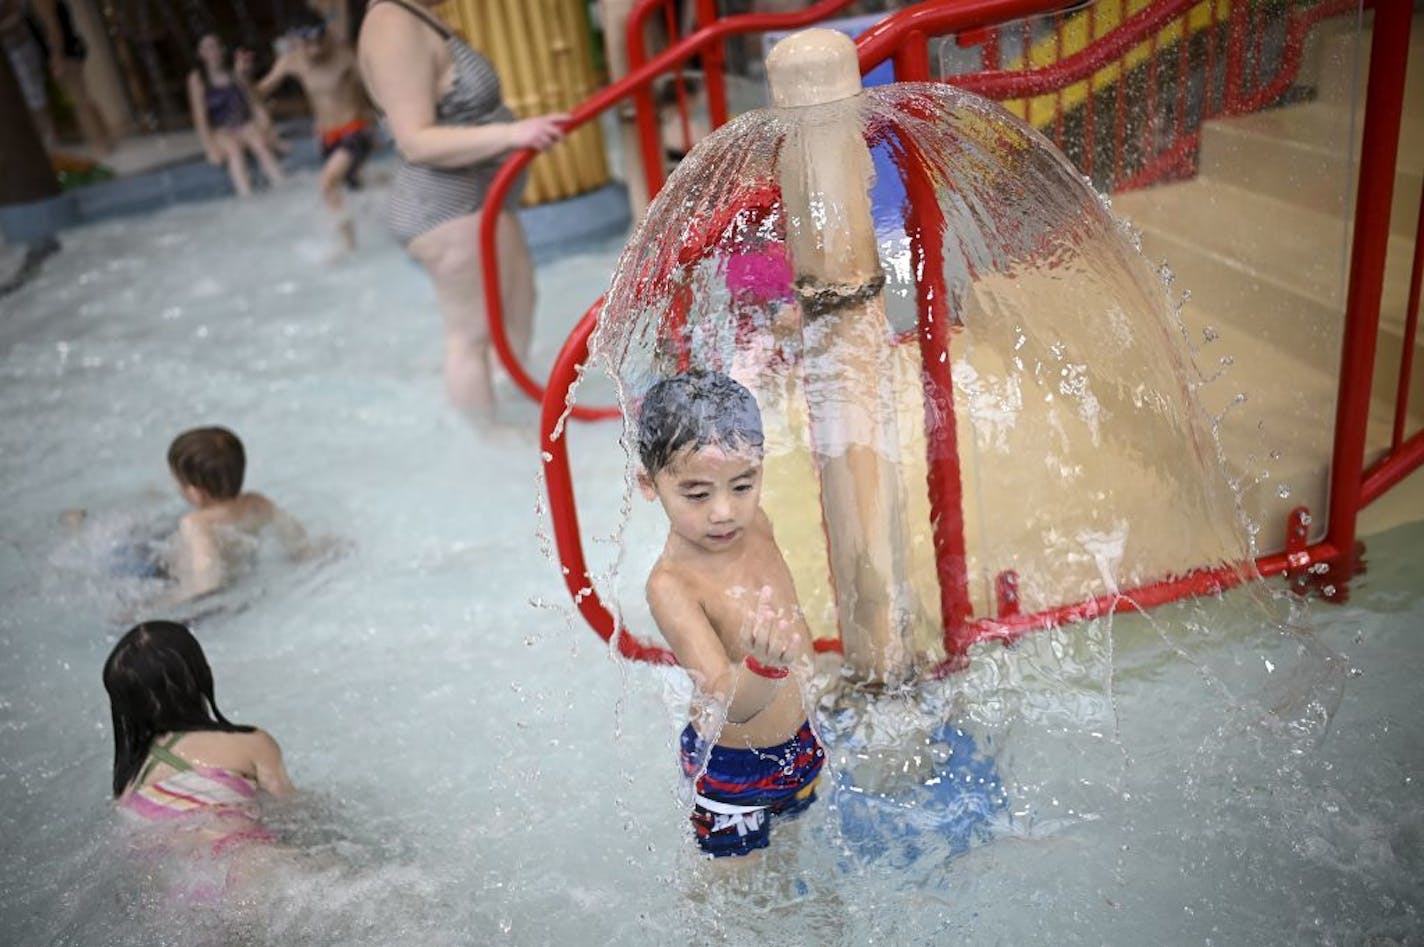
669,579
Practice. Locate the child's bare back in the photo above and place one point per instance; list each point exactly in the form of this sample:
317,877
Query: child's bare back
220,536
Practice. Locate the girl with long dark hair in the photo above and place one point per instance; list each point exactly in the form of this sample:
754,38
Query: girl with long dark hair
177,759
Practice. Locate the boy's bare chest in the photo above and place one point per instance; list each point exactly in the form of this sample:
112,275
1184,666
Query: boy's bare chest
327,79
729,597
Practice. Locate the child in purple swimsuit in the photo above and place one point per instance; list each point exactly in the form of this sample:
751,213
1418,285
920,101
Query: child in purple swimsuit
724,599
224,118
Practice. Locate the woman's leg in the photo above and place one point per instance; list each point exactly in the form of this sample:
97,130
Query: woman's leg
256,142
450,254
231,150
516,284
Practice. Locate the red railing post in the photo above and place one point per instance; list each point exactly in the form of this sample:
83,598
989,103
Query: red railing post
924,225
1411,331
713,66
912,59
1389,54
1236,28
563,513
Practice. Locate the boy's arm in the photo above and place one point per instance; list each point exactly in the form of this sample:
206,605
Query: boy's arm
700,651
279,72
290,534
199,565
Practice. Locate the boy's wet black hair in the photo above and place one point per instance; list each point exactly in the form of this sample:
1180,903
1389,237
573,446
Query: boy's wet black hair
209,458
158,682
307,23
697,409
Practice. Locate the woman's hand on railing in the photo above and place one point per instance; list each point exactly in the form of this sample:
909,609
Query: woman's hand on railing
541,132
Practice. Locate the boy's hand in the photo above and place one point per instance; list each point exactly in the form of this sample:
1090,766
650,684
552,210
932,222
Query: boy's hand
770,635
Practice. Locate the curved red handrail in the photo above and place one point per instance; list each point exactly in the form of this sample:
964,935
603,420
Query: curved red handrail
649,144
636,80
563,514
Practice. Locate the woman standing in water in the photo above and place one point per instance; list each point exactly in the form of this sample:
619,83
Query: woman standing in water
442,101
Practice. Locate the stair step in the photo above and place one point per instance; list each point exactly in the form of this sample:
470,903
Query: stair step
1302,255
1274,269
1340,62
1279,439
1306,154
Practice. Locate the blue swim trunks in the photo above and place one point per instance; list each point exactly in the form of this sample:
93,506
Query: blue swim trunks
742,789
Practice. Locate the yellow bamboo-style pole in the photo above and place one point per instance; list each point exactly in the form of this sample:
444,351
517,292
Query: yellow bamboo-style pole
542,52
847,359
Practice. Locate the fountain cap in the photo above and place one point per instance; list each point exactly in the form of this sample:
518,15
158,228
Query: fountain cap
813,67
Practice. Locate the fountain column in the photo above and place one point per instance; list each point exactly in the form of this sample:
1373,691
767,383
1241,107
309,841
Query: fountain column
826,172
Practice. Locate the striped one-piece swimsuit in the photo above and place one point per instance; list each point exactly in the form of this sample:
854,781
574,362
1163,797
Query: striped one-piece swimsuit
422,196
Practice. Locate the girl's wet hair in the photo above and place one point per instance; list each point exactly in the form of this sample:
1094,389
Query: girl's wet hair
210,458
696,409
158,682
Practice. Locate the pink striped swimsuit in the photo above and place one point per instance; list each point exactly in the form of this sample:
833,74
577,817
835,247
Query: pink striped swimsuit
218,803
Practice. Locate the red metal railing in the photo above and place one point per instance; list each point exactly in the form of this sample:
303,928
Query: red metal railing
1139,143
904,38
638,82
649,127
1129,158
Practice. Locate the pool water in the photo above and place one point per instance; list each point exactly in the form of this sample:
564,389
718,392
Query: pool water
477,769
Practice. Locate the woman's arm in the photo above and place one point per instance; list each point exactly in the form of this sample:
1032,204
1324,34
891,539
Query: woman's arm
401,72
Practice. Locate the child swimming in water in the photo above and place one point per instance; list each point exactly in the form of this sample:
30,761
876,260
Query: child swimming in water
724,599
177,759
225,525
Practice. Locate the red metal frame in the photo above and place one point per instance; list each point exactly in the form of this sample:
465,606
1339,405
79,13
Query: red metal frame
903,37
636,84
649,128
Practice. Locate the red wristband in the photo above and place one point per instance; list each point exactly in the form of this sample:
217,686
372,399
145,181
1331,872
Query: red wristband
761,670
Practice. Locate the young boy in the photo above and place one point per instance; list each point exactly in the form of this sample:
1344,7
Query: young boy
327,72
723,597
225,524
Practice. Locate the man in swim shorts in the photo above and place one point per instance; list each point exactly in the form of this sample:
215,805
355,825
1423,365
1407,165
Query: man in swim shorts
327,72
723,597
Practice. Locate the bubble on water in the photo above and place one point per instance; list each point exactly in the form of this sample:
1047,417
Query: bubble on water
1283,491
1209,334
